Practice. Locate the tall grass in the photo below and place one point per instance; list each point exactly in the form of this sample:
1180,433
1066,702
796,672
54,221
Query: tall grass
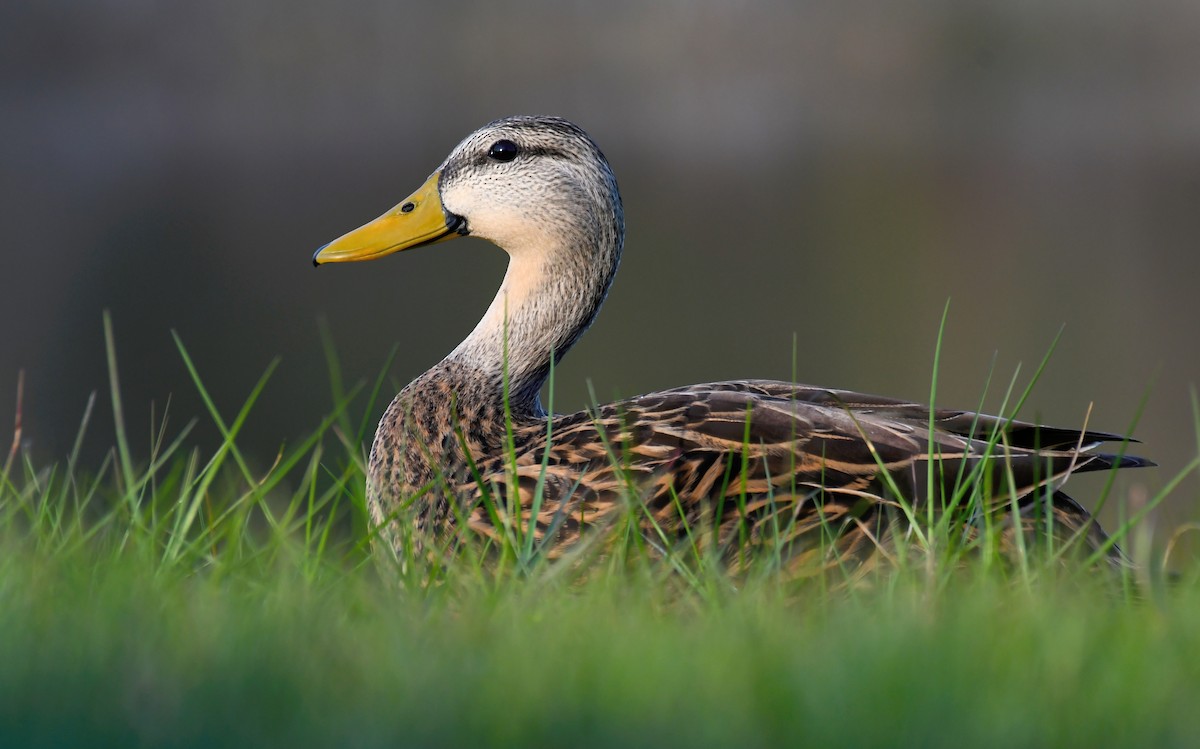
188,598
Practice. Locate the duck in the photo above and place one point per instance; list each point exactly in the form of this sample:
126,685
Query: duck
819,478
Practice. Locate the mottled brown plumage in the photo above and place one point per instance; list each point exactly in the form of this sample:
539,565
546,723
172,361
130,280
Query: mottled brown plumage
817,477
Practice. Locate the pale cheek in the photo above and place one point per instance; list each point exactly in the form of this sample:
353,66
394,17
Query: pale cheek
505,225
514,233
520,221
477,207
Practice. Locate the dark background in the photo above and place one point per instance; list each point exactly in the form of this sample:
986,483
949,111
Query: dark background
833,172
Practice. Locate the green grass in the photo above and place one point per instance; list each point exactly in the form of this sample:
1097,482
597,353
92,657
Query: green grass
108,655
188,599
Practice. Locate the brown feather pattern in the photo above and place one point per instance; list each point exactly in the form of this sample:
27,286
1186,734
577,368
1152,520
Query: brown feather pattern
821,477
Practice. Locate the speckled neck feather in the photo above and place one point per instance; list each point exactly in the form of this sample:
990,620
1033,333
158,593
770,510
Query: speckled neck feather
549,297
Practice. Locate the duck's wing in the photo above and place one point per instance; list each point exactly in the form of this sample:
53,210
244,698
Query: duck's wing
971,424
839,439
745,452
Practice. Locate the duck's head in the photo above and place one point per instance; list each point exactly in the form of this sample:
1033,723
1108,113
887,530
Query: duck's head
532,185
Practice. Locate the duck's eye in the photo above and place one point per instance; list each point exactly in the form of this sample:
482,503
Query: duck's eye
503,150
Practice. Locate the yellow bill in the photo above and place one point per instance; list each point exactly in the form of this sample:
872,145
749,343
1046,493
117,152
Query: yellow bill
418,220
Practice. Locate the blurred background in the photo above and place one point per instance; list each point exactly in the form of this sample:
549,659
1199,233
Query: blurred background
806,185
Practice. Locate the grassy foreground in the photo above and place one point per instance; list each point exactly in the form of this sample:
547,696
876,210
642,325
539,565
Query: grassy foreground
181,599
107,655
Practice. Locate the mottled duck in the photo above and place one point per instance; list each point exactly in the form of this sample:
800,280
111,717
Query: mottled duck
821,476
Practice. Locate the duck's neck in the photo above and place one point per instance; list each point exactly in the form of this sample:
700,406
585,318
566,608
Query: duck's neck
548,299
